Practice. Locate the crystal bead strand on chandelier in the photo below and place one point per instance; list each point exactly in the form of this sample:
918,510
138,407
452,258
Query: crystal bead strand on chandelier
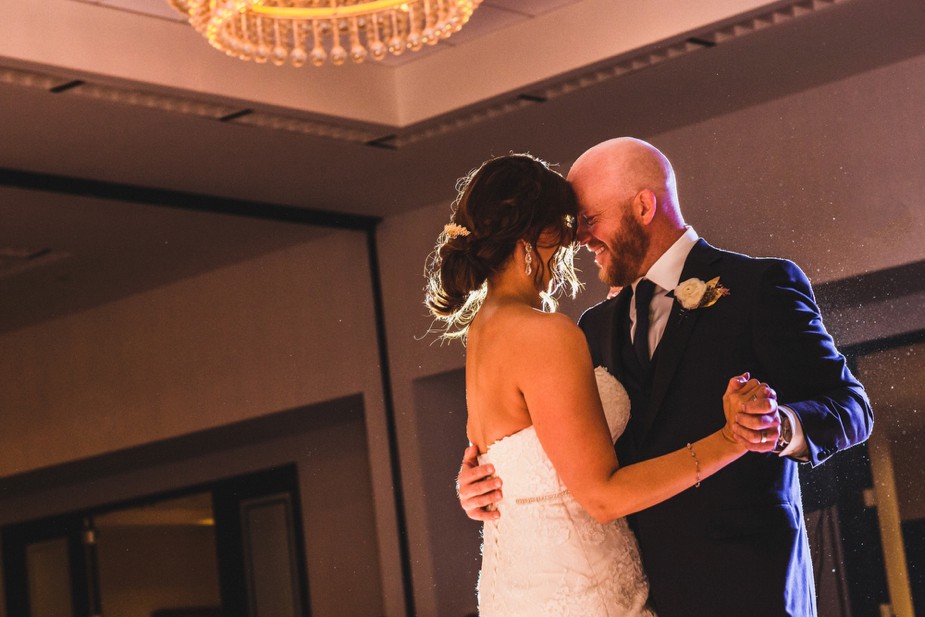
281,30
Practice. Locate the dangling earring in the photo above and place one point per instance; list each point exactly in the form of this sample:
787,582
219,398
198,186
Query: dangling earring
528,258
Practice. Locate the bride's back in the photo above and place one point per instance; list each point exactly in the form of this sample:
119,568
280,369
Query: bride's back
545,555
499,349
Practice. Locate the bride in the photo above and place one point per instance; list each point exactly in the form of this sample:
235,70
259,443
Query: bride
538,411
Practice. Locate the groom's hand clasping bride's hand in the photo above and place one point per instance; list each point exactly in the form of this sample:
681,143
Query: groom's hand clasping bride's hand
738,392
478,491
756,417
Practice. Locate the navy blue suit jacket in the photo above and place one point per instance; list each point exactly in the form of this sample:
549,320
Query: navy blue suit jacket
737,545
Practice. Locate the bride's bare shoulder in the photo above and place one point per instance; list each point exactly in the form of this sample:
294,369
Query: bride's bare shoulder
535,345
527,327
548,330
556,322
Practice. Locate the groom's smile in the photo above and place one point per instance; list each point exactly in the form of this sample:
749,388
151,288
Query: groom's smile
618,241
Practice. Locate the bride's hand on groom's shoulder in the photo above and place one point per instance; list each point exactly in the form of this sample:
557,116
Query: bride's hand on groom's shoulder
752,416
476,487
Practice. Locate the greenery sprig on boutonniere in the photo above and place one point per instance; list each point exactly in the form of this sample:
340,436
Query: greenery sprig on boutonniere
695,294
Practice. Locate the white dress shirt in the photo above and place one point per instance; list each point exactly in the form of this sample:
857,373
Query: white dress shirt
666,274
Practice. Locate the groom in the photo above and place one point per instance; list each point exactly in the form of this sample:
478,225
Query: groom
737,545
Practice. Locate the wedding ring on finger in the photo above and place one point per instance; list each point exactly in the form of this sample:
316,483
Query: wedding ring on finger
764,435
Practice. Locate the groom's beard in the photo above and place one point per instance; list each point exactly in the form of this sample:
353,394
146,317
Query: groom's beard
632,244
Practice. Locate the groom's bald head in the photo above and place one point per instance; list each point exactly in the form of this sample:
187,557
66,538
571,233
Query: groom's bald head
624,166
628,206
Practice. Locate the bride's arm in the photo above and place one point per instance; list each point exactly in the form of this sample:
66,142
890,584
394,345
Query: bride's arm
559,388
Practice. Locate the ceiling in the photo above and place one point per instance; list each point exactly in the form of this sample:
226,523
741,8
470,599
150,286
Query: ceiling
121,91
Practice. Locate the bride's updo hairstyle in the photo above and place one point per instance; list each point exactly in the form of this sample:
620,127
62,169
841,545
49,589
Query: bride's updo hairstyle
506,200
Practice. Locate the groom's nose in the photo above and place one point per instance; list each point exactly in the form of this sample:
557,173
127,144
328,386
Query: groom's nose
582,234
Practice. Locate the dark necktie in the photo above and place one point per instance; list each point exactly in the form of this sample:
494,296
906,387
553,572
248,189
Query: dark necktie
644,290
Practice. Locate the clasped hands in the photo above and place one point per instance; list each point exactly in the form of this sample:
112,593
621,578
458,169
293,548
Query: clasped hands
752,416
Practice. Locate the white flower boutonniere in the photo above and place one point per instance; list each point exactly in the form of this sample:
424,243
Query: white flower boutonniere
694,293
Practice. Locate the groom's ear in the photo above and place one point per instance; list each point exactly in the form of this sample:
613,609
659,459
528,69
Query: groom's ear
646,204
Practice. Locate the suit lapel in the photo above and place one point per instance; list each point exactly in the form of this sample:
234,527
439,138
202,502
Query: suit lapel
677,334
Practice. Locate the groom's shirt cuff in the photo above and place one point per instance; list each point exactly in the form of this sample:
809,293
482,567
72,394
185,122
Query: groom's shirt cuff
797,447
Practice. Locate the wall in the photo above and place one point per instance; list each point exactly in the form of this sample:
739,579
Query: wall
893,378
273,333
278,332
830,177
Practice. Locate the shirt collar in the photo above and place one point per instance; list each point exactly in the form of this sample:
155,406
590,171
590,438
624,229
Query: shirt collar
666,271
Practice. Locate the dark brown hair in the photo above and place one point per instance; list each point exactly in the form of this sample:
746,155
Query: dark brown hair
507,199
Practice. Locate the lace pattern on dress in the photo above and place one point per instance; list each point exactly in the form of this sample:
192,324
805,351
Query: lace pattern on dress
545,555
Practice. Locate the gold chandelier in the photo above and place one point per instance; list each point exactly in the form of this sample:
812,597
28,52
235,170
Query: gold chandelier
321,30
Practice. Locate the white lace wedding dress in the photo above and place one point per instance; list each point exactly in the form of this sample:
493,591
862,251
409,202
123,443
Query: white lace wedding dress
546,556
